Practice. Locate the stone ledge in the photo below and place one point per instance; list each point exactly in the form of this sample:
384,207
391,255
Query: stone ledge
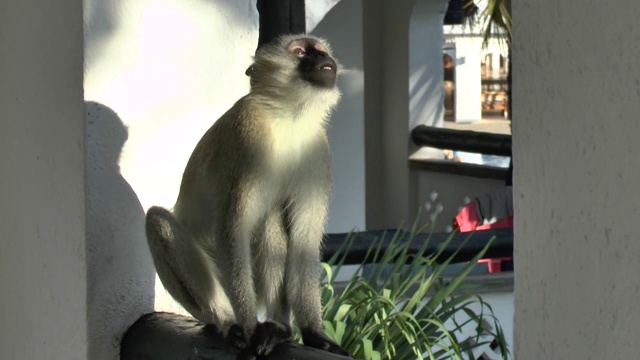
459,168
165,336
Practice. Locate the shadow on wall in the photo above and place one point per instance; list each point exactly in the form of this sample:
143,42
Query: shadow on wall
100,23
426,73
120,270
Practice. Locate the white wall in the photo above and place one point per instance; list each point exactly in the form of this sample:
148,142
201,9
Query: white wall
404,88
575,130
342,26
42,253
158,73
426,73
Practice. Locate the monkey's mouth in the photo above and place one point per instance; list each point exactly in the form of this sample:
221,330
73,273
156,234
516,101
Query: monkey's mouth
320,73
327,66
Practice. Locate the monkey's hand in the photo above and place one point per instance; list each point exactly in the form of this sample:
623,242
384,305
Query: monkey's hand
266,337
319,340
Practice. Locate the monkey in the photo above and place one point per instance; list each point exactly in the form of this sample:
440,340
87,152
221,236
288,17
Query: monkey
246,230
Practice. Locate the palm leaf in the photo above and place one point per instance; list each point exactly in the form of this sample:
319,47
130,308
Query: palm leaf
495,18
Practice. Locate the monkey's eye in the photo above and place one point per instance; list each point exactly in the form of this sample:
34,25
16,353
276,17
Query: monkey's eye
298,52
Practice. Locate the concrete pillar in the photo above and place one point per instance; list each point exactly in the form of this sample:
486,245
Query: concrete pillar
576,170
43,287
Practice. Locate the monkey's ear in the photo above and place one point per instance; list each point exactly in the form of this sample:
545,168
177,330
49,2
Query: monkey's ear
249,71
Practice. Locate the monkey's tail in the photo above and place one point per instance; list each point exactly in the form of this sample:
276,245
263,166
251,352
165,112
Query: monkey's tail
163,231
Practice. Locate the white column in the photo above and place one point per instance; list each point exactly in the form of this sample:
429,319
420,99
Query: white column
468,87
495,61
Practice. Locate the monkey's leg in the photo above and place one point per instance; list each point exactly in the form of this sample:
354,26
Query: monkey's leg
185,270
308,211
235,230
269,250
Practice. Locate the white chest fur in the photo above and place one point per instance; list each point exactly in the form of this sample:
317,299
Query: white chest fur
293,141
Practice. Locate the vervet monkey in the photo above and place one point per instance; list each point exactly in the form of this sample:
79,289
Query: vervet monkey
246,230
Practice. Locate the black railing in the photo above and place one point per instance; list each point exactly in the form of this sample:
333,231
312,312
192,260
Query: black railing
462,140
502,245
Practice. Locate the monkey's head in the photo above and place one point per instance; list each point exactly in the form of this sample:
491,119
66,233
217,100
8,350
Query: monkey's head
295,63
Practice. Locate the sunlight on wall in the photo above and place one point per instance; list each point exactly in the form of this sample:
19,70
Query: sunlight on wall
161,71
158,74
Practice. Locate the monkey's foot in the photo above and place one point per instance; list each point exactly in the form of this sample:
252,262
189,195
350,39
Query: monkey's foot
320,341
266,337
235,337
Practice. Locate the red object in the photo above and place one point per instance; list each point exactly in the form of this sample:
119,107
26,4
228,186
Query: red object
467,220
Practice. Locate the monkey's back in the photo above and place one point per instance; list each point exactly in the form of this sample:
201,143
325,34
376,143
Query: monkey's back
215,167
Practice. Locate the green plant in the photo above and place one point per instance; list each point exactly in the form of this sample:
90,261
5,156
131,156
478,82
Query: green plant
403,308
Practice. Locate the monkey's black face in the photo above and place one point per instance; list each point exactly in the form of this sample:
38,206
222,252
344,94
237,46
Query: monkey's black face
316,65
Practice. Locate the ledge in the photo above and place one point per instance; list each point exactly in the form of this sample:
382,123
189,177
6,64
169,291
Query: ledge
459,168
165,336
487,284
